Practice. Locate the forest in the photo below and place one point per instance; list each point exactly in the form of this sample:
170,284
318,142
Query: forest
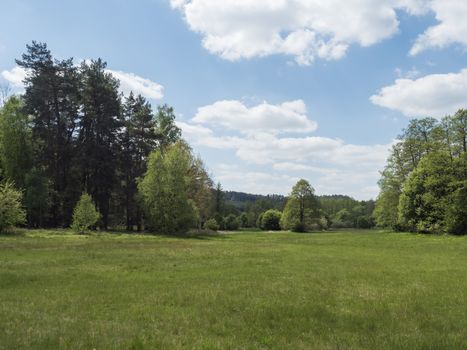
75,152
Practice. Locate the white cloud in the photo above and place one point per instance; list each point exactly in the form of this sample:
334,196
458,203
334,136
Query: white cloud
297,167
304,29
258,182
128,82
433,95
451,29
139,85
333,165
286,117
15,76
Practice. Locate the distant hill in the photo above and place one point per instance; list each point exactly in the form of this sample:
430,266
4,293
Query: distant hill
241,199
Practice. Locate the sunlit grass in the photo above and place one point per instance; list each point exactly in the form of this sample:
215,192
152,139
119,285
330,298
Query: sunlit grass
249,290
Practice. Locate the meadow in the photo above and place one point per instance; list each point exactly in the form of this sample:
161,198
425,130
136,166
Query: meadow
248,290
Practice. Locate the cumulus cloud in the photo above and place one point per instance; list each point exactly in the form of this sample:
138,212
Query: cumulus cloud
14,76
333,165
258,182
433,95
304,29
128,82
139,85
451,29
286,117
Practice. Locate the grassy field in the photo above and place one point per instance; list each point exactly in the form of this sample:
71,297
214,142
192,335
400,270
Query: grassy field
343,290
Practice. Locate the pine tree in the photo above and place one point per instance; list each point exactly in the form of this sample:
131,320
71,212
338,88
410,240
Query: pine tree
138,139
99,127
52,99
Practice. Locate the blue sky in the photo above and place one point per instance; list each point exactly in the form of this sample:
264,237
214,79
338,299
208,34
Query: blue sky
271,91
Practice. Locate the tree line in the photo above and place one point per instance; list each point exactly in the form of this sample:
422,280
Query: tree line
75,152
72,132
423,187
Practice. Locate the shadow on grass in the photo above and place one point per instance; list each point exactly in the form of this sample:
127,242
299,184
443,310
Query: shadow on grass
13,233
192,234
200,235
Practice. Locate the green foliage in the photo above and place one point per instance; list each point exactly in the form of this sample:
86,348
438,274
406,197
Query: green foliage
231,222
301,209
456,215
422,186
343,218
165,191
98,133
138,139
36,198
211,224
270,220
243,220
167,131
424,198
15,142
11,211
85,214
52,99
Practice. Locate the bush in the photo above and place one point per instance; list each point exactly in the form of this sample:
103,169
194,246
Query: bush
11,211
243,220
270,220
85,214
231,223
211,224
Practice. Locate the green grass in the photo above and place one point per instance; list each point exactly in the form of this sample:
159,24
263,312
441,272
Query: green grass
344,290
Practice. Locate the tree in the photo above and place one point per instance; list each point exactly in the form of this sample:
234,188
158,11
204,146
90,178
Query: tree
270,220
343,218
243,220
219,202
200,188
37,198
456,214
5,93
11,211
138,139
211,224
424,199
168,133
231,222
165,191
52,98
85,214
301,208
97,140
459,131
15,142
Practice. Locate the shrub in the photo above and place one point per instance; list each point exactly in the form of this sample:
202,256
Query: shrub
231,222
243,220
11,211
271,219
211,224
85,214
